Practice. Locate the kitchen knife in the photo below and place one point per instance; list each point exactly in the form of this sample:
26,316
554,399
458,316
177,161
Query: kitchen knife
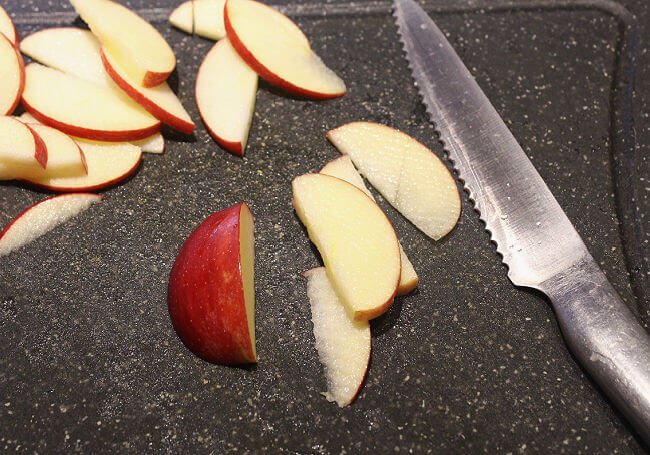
538,243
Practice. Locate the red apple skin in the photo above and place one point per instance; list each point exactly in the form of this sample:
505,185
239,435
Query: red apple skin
21,65
153,78
233,147
93,135
164,116
264,72
41,149
205,294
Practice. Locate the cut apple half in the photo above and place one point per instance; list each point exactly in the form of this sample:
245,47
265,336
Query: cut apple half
42,217
278,51
343,169
183,17
208,19
225,95
135,43
211,292
409,175
7,27
355,239
83,109
12,76
20,147
343,344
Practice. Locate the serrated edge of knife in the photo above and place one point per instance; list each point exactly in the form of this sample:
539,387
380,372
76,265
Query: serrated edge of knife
449,155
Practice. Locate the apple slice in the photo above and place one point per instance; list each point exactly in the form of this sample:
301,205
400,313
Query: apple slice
12,76
183,17
208,19
211,292
225,94
278,51
355,239
83,109
42,217
405,172
152,144
343,344
134,42
20,146
343,168
7,27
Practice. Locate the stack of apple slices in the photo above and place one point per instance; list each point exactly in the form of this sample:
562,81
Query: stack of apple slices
256,40
365,265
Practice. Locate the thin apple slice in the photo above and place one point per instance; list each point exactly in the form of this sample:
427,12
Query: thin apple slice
211,293
355,239
278,51
183,17
343,344
20,146
83,109
225,94
7,27
343,168
159,101
134,42
409,175
208,19
42,217
12,76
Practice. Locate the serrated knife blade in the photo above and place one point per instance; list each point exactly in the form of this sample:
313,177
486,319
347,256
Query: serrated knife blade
537,241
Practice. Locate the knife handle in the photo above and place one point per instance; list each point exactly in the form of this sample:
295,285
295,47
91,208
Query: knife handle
605,337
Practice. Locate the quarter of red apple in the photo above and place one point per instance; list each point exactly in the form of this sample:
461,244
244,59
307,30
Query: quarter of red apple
211,292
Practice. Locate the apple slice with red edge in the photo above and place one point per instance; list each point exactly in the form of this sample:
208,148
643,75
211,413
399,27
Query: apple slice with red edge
183,17
356,241
135,43
278,51
225,95
20,146
12,76
42,217
211,292
83,109
7,27
343,344
409,175
343,168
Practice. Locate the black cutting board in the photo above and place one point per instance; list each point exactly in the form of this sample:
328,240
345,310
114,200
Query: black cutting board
89,361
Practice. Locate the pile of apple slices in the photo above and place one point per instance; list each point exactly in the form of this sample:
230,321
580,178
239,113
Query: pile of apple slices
365,265
255,40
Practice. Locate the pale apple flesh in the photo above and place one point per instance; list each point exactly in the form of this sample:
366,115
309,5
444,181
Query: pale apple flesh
7,27
208,19
356,241
183,17
211,294
278,51
343,169
134,42
20,146
152,144
12,76
343,344
42,218
409,175
225,95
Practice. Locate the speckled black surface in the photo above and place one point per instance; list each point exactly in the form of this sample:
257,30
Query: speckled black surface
89,361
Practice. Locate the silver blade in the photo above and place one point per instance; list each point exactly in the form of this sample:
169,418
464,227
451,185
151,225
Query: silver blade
531,231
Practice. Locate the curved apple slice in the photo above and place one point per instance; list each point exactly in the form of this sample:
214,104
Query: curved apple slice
409,175
183,17
278,51
208,19
83,109
7,27
343,169
12,76
159,101
211,293
134,42
225,94
42,217
355,239
343,344
20,147
152,144
107,163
